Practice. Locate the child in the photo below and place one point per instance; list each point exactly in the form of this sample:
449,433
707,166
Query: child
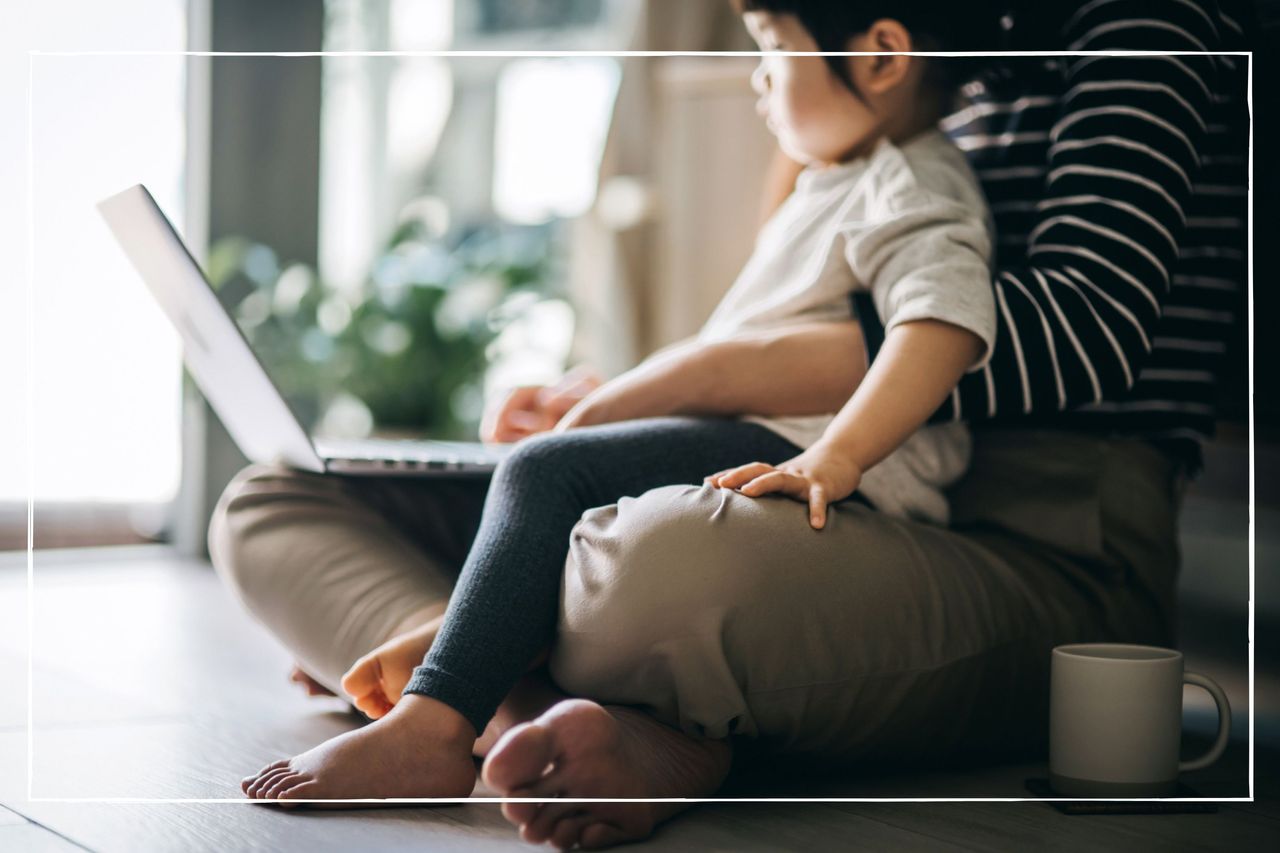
890,206
885,207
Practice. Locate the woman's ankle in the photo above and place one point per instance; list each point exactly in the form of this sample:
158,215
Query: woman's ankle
438,721
532,695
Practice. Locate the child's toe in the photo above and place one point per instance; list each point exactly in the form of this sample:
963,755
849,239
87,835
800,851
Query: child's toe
363,677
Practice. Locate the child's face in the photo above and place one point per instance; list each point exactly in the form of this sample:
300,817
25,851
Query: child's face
811,111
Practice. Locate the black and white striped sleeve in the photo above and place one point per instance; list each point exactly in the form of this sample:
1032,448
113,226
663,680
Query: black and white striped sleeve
1075,321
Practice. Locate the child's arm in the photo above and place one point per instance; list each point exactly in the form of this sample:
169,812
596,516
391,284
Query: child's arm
926,264
915,370
800,370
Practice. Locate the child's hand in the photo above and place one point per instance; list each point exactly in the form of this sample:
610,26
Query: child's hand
821,475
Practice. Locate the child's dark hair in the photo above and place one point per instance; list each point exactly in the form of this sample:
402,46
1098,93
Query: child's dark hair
962,25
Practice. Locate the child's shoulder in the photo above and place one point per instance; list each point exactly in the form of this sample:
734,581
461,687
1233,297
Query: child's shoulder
927,169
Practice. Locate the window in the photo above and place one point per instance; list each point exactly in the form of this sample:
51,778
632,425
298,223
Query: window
443,186
551,117
106,371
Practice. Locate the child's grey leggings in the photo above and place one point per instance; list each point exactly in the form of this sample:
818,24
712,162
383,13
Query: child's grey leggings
503,611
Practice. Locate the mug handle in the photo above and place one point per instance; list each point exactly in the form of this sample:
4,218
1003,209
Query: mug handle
1224,722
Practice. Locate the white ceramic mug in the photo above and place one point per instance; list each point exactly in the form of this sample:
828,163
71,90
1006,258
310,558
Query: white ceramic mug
1115,720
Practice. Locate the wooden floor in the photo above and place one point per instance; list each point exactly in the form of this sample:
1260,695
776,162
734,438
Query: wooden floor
150,682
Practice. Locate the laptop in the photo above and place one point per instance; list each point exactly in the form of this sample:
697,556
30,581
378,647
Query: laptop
231,377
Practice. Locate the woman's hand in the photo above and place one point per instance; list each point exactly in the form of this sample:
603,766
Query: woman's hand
532,409
821,475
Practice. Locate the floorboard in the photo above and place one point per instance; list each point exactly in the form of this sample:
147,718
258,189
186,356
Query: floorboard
30,838
8,818
1038,826
150,681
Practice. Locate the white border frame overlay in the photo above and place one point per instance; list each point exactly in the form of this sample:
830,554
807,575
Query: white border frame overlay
30,398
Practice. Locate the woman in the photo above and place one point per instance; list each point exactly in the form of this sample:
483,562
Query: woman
1114,183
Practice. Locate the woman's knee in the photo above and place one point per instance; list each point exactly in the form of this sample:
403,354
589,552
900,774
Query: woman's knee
249,525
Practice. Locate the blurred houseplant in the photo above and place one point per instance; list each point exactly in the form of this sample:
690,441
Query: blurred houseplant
405,352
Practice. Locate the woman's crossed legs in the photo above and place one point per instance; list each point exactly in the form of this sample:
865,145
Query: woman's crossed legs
504,608
709,614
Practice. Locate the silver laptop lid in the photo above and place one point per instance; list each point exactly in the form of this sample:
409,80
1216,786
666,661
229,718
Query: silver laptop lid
214,349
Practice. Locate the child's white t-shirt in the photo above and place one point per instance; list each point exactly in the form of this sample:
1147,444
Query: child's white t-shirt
910,225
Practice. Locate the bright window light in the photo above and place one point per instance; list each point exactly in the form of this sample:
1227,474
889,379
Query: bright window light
106,371
421,26
552,116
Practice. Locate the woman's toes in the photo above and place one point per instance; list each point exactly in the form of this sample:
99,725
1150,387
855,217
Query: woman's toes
275,765
543,825
247,782
519,759
266,780
300,791
259,790
281,783
314,688
520,813
599,835
568,830
601,752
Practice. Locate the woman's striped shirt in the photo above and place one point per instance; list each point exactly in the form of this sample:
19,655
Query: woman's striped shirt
1117,185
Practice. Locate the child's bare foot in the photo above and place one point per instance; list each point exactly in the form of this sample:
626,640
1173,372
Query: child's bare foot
313,687
375,681
581,749
421,749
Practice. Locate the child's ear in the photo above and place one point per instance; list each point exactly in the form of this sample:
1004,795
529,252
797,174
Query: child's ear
875,75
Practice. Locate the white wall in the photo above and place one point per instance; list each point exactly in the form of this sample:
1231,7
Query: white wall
712,153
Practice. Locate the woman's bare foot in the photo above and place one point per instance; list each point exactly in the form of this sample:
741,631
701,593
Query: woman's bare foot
313,687
375,681
532,696
421,749
581,749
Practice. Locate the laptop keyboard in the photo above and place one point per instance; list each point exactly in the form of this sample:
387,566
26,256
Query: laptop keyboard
376,449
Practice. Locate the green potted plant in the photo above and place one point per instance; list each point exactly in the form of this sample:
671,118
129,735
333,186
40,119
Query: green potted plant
405,353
